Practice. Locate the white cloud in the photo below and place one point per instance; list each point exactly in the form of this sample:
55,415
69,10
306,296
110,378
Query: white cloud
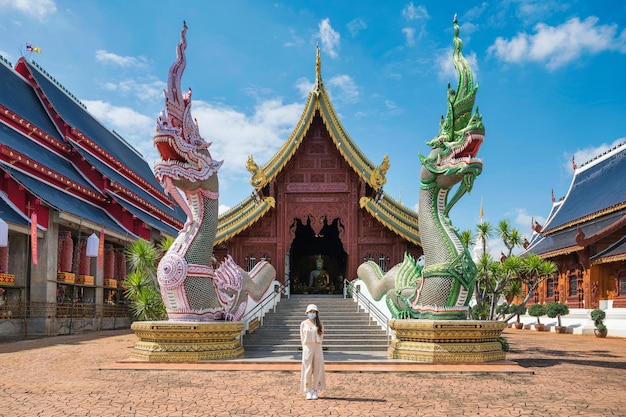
476,12
409,34
522,221
134,127
530,11
39,9
122,61
410,12
581,156
558,45
355,26
304,86
148,91
344,88
417,14
330,38
236,135
393,108
445,63
294,41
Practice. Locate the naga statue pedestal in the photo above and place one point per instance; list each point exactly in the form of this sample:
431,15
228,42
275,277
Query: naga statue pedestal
171,341
439,341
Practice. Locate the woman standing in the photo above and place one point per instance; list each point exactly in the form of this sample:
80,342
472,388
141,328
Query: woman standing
311,336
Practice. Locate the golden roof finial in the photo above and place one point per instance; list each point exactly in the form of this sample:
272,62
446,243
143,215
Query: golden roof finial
318,67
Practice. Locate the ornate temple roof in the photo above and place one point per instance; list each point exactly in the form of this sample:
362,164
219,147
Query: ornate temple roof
593,208
242,216
75,165
88,127
597,189
391,213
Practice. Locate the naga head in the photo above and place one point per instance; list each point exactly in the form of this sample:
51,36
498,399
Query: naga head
185,158
461,133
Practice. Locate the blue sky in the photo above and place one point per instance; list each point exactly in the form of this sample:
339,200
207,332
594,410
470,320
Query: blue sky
550,77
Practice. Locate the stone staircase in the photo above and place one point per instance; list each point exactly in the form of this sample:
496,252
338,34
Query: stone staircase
345,328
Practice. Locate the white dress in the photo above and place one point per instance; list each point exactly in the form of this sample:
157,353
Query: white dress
312,376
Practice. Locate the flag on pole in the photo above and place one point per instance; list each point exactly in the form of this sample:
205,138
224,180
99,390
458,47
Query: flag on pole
32,48
33,236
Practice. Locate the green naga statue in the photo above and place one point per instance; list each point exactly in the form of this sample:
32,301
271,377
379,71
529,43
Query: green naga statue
443,287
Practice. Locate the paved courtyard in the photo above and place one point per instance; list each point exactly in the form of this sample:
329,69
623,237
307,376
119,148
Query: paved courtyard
567,375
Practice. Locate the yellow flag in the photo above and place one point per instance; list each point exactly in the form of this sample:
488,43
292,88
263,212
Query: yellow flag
33,48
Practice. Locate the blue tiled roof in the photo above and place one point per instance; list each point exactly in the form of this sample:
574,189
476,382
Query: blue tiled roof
9,214
17,95
595,188
113,175
616,249
145,217
36,152
567,238
76,116
65,202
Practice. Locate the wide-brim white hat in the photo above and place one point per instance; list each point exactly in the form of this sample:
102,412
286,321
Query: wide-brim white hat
311,307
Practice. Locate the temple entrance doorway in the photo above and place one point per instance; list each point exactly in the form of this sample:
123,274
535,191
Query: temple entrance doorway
317,260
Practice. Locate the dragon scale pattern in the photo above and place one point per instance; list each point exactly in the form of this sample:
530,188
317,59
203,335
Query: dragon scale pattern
194,286
441,288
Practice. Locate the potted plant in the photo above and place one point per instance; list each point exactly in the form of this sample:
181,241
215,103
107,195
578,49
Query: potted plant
557,309
598,317
517,310
537,310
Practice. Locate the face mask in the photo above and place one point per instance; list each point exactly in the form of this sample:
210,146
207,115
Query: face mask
312,315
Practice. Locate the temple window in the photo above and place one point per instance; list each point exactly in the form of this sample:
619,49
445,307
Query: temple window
250,262
550,287
621,284
573,284
383,261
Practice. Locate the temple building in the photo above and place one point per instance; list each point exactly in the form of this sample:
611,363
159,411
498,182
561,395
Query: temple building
73,194
318,205
585,235
317,208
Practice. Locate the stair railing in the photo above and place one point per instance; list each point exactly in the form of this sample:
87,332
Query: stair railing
269,302
368,305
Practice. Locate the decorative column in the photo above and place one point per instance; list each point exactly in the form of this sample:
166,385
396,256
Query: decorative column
109,262
4,260
84,267
65,258
66,251
120,264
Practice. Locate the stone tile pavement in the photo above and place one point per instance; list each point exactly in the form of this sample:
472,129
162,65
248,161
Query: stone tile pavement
565,375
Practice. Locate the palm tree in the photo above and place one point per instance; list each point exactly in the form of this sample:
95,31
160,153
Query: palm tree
467,237
142,287
484,232
534,271
146,302
481,288
511,237
142,256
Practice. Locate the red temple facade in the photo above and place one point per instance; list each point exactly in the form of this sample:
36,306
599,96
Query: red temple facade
66,179
318,197
585,235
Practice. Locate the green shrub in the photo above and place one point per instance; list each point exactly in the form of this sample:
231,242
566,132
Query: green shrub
556,309
504,343
598,317
537,310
